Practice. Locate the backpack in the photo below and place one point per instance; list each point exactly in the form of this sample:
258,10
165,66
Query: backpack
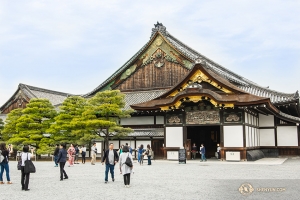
1,157
128,161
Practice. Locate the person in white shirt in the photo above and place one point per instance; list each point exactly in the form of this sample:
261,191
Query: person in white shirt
83,153
25,176
94,154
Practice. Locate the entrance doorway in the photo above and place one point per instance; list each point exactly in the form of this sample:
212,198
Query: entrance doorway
208,135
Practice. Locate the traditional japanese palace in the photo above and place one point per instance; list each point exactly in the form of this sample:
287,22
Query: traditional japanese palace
181,97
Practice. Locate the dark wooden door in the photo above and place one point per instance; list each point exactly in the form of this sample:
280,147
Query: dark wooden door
157,147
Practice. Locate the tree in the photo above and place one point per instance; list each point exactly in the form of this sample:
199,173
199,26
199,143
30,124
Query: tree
1,127
103,113
32,125
63,130
10,127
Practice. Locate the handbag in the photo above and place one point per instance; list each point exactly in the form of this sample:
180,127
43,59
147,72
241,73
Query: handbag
29,166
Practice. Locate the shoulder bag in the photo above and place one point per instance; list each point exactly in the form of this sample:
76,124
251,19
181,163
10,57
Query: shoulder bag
29,166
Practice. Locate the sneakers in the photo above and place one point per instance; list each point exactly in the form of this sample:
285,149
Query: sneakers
9,182
128,186
1,182
105,181
113,180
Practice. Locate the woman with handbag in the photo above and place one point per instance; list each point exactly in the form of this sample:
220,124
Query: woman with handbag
25,176
71,153
126,170
4,154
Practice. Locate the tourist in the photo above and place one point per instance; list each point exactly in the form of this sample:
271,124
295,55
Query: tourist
83,153
71,153
121,149
202,150
4,154
141,154
62,159
55,154
124,169
110,158
194,151
149,154
10,149
25,176
219,151
94,154
130,150
76,154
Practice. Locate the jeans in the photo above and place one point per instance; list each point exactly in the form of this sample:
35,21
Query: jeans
126,179
4,166
111,168
62,170
55,160
139,157
203,157
83,157
24,179
149,160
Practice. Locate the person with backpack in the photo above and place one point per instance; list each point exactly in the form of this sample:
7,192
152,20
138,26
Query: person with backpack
25,176
149,154
126,165
4,154
71,153
110,158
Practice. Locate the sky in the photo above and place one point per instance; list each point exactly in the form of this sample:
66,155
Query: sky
73,46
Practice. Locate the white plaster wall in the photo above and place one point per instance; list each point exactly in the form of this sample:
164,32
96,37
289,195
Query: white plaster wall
287,136
160,119
247,136
250,137
130,143
258,136
246,117
267,137
233,136
174,136
99,147
253,136
266,120
137,120
143,142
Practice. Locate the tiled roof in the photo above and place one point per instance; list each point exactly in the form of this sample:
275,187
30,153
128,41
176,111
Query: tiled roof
140,97
238,80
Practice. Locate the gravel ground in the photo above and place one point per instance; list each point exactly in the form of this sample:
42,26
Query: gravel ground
162,180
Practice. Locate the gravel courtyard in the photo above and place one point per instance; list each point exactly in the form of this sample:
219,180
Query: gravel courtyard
162,180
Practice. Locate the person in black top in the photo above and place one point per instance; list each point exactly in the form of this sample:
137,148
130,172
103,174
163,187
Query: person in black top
194,151
4,163
76,154
55,154
62,158
110,158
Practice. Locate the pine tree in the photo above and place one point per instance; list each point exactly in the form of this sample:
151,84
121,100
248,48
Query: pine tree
63,131
103,114
10,127
32,125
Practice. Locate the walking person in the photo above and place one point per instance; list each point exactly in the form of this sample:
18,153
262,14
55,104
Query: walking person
76,154
94,154
110,158
4,158
25,176
55,154
219,151
149,154
194,151
71,153
124,169
83,154
141,151
62,159
202,149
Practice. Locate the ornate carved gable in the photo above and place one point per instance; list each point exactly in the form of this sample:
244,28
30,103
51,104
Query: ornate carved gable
159,66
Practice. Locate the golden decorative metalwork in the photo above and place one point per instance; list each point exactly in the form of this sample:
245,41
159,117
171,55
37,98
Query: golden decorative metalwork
203,117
